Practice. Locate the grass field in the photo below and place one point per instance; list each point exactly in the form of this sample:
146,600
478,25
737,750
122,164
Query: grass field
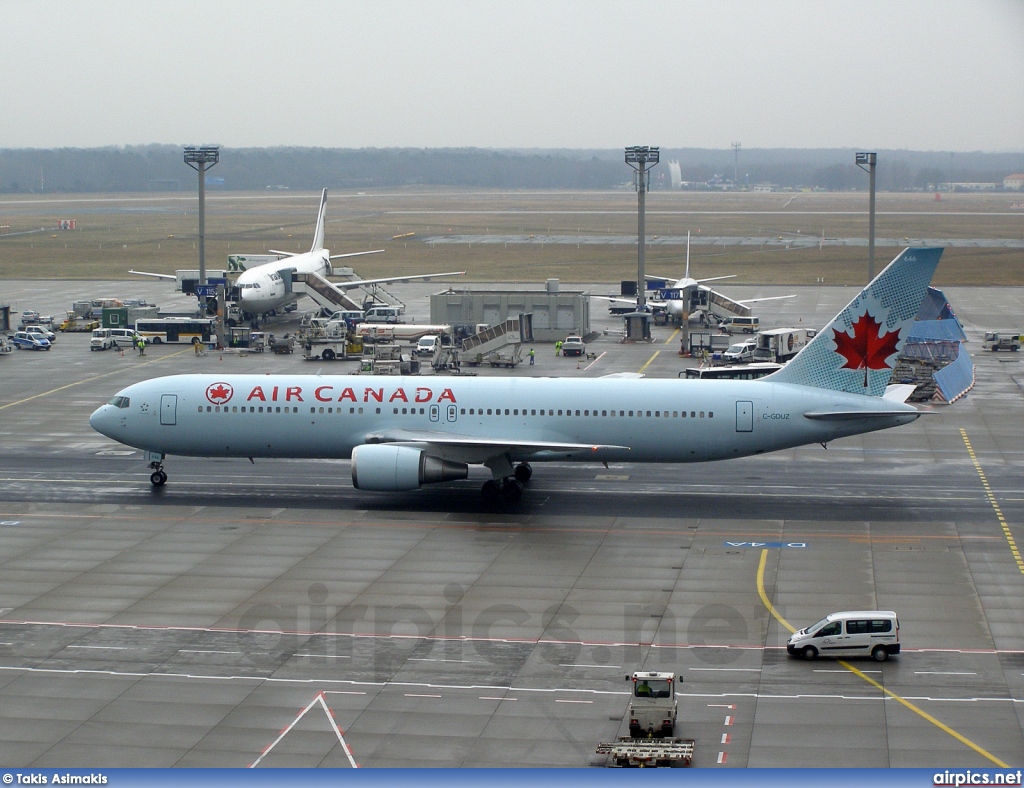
159,232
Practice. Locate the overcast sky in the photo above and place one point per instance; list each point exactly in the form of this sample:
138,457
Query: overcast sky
916,74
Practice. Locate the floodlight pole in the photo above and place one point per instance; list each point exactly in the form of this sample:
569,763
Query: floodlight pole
641,158
197,159
871,160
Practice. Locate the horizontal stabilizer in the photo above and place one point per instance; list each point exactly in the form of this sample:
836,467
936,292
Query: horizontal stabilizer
146,273
854,415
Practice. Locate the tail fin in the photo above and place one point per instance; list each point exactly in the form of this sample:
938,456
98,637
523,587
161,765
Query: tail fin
318,235
857,351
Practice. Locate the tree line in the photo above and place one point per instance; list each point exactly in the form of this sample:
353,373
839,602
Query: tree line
161,168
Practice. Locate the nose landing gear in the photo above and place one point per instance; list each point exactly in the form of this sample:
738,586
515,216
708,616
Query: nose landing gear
159,477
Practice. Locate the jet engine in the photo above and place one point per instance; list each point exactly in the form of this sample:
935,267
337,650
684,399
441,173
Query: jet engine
385,468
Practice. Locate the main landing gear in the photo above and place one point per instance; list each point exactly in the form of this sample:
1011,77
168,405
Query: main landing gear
159,477
508,488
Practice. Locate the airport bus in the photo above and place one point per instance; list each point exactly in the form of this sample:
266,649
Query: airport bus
732,371
177,329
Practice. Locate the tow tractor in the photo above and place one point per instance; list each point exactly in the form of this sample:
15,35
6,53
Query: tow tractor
653,711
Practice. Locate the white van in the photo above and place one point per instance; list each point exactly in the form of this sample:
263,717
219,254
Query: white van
427,345
741,352
382,314
123,337
747,325
853,633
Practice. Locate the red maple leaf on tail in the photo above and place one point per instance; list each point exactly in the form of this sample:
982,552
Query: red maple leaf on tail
867,348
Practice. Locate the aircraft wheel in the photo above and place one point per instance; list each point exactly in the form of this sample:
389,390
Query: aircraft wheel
490,491
512,490
158,478
523,472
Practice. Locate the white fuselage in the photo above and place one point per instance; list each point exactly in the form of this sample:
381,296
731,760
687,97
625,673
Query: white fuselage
328,416
262,289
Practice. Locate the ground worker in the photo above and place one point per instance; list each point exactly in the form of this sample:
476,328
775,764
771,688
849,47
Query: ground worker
531,357
558,347
141,344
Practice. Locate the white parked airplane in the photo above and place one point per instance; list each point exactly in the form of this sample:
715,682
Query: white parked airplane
403,433
694,296
263,289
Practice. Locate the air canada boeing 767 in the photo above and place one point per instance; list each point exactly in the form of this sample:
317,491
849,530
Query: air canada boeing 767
402,433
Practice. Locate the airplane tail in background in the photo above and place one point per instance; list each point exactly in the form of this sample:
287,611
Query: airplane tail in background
318,236
857,351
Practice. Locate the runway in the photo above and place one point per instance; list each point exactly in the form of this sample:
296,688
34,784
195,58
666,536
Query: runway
271,615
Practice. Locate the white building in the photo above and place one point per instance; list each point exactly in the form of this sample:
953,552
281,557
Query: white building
1014,182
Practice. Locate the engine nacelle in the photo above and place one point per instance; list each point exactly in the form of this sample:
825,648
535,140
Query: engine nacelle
387,468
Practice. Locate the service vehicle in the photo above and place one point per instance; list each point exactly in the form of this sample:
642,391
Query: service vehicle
427,345
23,340
852,633
745,325
753,371
573,346
653,711
404,332
740,353
780,344
76,323
101,339
383,314
350,316
40,331
1001,340
123,337
32,318
652,708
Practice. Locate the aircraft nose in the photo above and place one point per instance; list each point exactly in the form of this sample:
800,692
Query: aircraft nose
102,420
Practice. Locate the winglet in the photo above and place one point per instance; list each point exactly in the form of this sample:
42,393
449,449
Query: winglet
857,351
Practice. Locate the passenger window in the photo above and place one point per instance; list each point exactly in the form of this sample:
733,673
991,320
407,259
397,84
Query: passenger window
856,627
881,625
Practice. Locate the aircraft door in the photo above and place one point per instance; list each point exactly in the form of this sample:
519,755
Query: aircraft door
435,412
453,412
744,416
169,409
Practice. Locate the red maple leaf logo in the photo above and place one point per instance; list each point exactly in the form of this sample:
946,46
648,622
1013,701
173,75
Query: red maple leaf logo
867,348
219,393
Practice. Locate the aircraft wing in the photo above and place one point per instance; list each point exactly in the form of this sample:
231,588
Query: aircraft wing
355,254
746,301
158,276
619,301
471,449
346,284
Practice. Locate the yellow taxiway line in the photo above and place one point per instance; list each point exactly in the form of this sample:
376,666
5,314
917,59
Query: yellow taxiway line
903,701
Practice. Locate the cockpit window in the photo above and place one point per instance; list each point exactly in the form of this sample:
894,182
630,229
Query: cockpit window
120,402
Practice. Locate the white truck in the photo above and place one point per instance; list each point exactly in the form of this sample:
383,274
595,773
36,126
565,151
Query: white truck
780,344
400,332
1001,340
653,710
101,339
